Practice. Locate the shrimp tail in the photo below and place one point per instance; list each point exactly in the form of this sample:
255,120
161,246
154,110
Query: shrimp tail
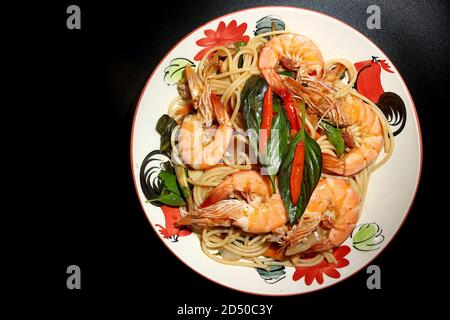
202,222
326,244
332,164
221,214
274,79
195,84
217,194
294,86
220,111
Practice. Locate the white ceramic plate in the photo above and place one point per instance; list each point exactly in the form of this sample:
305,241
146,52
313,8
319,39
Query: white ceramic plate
391,190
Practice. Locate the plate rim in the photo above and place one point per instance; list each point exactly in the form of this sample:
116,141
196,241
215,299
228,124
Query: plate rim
416,118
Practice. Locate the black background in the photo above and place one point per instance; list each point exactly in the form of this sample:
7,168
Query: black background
91,81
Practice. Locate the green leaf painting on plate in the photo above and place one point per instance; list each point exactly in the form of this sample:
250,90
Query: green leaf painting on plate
174,72
367,237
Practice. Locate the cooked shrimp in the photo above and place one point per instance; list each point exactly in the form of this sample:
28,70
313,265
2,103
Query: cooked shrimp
365,130
245,182
328,220
362,128
293,52
202,148
262,212
200,95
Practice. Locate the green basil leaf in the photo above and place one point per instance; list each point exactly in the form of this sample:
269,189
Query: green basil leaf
334,135
170,181
253,97
165,123
253,100
278,142
164,144
171,199
181,175
240,44
170,193
288,73
311,175
164,127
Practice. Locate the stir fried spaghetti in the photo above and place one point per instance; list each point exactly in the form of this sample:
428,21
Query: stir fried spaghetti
291,190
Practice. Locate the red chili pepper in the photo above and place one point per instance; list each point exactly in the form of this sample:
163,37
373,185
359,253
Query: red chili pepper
297,171
266,120
290,110
293,132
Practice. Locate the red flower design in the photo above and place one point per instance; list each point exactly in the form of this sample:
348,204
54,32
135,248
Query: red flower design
317,271
223,36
